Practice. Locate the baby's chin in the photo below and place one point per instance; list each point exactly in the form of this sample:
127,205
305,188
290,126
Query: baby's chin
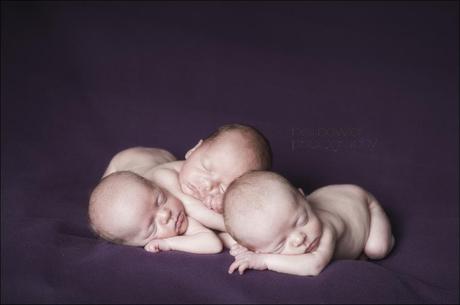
214,203
219,207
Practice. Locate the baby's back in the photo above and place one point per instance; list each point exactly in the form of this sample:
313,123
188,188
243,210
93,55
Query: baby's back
348,205
139,160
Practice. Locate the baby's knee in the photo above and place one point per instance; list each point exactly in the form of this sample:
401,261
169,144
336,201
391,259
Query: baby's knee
378,249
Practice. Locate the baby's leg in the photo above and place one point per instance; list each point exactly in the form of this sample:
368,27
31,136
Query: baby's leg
138,159
380,240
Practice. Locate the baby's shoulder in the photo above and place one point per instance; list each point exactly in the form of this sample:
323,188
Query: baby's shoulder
174,166
195,227
165,175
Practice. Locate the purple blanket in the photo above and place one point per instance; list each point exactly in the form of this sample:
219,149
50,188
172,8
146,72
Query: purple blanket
349,92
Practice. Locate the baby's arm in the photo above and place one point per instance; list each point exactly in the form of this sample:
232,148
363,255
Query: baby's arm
197,239
200,212
168,179
302,264
227,240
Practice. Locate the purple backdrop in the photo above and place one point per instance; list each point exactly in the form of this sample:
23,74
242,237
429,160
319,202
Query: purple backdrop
347,92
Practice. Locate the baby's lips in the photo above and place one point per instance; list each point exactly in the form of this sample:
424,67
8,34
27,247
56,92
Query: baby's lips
312,245
178,222
216,204
208,202
218,208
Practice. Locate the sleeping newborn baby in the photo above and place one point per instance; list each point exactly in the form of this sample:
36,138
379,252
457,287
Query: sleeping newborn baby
128,209
278,228
200,180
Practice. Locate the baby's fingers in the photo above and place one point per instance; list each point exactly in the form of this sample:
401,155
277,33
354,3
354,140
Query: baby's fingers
243,267
233,266
240,265
152,247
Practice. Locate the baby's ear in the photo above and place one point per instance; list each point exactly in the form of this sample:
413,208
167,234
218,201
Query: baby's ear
189,153
301,191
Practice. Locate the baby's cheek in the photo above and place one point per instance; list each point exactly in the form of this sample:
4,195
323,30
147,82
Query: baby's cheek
183,181
220,210
168,234
293,250
191,177
220,204
319,227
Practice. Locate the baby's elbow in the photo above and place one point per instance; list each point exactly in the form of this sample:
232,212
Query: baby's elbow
215,245
312,269
317,270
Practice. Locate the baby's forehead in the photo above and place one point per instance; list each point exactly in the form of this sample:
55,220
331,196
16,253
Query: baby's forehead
125,192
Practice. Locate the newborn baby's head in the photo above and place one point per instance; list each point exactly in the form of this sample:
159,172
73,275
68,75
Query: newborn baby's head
214,163
266,214
128,209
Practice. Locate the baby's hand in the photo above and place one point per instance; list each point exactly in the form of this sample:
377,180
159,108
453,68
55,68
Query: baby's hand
214,203
248,260
157,245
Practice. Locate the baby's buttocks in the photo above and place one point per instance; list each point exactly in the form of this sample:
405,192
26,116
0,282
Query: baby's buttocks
350,204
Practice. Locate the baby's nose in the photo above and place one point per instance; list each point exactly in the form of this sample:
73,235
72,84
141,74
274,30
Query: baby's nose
298,239
165,215
207,185
213,191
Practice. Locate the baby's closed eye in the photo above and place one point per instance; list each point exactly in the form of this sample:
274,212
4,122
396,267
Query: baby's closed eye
302,220
161,199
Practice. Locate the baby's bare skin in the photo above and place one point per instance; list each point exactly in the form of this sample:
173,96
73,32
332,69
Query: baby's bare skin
166,176
127,209
201,180
357,218
138,160
162,168
302,234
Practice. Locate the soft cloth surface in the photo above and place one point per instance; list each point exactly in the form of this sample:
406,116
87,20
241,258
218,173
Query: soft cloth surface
349,92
